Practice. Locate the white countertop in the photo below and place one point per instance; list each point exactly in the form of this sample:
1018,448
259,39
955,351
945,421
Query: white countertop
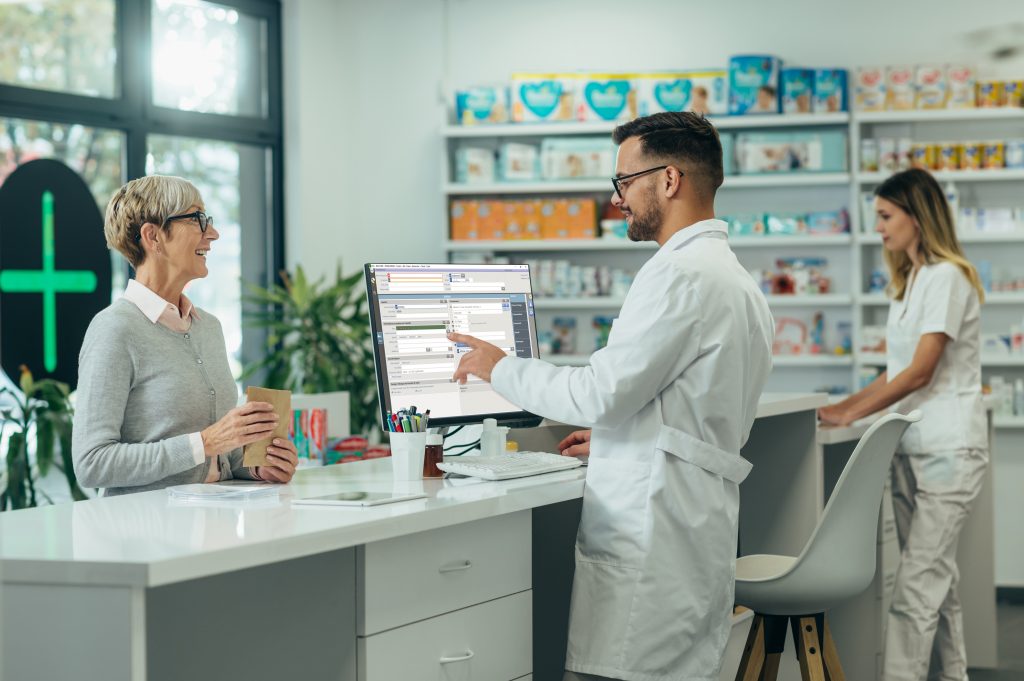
830,435
148,539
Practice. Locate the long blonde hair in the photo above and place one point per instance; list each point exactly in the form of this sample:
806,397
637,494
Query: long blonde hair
917,193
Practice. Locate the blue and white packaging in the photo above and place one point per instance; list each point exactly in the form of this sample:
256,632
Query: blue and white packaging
777,152
754,84
566,158
830,91
797,90
483,104
474,165
606,97
704,92
543,97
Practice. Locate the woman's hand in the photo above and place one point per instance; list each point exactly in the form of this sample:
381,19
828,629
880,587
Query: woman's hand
575,444
251,422
834,415
281,461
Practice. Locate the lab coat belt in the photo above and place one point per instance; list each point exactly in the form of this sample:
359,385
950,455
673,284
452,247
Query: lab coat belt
681,444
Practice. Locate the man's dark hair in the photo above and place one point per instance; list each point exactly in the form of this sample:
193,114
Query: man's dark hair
680,137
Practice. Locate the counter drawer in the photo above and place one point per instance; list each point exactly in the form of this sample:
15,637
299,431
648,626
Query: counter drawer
411,578
487,642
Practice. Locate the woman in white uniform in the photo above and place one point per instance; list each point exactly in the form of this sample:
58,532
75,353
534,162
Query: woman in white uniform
933,364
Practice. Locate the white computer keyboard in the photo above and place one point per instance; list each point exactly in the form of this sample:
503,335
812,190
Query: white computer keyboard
510,465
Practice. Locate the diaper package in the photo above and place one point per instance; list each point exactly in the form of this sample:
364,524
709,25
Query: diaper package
899,88
797,90
960,81
518,162
791,152
703,92
606,97
483,104
754,84
869,89
830,91
474,165
565,158
543,97
728,153
930,87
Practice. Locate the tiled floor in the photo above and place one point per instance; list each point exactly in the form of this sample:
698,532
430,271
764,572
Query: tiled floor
1011,647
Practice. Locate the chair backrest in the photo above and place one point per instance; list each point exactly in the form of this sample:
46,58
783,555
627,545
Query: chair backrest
841,549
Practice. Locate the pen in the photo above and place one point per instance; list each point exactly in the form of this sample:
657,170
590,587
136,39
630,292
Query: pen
419,428
426,418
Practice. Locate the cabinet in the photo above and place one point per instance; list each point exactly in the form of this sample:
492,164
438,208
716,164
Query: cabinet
455,601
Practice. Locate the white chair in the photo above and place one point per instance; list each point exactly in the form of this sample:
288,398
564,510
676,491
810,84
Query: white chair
837,562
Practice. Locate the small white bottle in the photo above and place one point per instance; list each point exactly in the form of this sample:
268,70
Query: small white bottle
953,199
489,438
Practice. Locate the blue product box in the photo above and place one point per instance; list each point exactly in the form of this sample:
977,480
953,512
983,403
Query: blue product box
483,104
754,84
828,222
791,152
543,97
606,97
797,90
831,91
702,92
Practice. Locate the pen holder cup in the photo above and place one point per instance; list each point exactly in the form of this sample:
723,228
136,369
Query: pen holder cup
407,455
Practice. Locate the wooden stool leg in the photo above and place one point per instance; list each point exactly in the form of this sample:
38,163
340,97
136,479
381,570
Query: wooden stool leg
808,646
830,655
753,652
774,644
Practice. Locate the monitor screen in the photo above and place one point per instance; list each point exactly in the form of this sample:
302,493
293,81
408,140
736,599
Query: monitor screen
412,308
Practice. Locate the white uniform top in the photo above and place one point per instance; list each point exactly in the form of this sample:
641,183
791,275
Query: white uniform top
940,299
671,400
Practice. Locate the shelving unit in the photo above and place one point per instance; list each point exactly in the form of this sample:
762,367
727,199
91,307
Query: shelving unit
850,253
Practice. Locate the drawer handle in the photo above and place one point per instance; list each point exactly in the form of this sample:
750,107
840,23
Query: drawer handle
460,658
465,565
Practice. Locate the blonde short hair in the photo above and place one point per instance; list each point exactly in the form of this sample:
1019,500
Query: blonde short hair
146,199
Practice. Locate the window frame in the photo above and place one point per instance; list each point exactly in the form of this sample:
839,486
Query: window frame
133,113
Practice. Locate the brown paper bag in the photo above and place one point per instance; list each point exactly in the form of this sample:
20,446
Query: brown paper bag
255,453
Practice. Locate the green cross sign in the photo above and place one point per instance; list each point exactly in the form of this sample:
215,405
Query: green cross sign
49,281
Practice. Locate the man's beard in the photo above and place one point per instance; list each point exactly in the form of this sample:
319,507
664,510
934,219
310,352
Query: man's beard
645,225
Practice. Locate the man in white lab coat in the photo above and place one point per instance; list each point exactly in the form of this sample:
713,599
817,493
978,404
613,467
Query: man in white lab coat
670,401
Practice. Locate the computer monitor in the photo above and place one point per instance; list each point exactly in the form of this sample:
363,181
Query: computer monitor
412,308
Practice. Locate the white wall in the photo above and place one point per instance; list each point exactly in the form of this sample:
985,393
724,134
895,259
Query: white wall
362,84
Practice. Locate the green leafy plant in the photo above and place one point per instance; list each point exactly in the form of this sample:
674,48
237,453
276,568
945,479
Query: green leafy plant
44,405
318,340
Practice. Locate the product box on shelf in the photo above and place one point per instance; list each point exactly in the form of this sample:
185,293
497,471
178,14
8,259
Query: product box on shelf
543,97
566,158
991,94
518,162
869,89
728,141
830,91
797,90
930,89
828,222
482,104
474,165
751,224
754,84
1013,91
463,221
522,219
568,219
961,83
564,329
791,152
605,97
899,88
704,92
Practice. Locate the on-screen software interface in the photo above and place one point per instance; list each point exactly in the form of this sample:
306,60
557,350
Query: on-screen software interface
412,308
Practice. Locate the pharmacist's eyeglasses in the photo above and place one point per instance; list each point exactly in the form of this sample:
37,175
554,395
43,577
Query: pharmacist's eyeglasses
621,181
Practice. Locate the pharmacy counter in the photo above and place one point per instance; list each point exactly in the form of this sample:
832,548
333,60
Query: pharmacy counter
473,579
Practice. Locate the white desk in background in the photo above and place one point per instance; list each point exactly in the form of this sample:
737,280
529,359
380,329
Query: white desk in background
135,587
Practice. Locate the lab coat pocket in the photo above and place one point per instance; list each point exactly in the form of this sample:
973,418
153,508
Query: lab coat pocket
613,527
681,444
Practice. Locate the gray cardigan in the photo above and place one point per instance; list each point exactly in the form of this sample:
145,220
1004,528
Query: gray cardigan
142,389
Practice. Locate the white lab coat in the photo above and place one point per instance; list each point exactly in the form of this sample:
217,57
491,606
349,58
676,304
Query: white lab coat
671,400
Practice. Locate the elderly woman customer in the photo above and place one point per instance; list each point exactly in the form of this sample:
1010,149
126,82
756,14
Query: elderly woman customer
156,399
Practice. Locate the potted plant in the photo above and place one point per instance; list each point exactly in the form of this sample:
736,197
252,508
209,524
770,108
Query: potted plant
318,340
42,410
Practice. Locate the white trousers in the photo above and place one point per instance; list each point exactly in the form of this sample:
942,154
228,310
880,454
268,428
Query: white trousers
576,676
932,496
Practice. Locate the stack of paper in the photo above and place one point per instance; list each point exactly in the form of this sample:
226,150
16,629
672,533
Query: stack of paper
223,491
